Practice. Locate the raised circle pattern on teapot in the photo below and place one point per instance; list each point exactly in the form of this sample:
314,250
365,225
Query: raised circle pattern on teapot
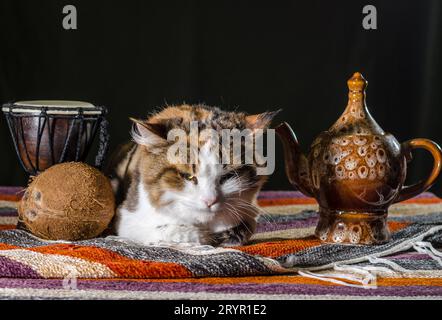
353,157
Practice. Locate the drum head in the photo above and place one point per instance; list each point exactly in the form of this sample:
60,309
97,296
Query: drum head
54,107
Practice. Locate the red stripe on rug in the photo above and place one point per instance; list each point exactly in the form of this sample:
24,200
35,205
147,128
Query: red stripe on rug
122,266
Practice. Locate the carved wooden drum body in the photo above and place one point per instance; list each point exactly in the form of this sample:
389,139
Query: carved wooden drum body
45,133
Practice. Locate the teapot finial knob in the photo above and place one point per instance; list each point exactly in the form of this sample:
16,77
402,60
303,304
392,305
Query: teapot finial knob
357,82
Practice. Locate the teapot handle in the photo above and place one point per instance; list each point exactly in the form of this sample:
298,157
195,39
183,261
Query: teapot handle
408,192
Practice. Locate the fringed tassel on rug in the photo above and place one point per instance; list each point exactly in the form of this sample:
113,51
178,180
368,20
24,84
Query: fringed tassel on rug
362,278
427,248
365,276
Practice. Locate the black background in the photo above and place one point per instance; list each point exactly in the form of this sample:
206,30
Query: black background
133,56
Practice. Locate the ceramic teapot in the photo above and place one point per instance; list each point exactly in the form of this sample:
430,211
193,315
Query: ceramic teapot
355,171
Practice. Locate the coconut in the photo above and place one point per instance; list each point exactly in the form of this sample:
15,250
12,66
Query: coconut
68,201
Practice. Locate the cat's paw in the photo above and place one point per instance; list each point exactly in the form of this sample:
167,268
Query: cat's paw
236,236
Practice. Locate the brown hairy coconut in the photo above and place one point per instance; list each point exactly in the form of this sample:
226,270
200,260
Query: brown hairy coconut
68,201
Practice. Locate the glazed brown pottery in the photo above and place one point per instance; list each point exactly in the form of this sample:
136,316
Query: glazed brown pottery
355,171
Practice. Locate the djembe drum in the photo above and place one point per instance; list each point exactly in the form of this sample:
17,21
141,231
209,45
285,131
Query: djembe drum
45,133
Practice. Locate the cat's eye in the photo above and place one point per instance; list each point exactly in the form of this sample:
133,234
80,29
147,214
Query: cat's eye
189,177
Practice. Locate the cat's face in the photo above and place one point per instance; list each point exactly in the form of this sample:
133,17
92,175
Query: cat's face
197,192
208,188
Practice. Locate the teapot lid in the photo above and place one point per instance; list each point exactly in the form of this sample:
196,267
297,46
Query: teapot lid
356,118
357,83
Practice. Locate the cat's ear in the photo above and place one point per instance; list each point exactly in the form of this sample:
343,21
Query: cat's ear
147,134
261,120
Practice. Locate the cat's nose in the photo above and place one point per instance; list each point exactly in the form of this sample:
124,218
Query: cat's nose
211,201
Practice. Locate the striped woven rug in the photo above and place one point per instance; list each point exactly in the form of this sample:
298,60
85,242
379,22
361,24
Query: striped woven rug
283,260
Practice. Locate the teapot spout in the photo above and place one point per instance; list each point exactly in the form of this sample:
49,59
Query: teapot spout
296,164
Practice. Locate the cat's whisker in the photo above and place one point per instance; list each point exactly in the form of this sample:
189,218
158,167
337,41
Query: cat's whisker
234,216
241,221
250,211
242,202
262,212
231,209
245,211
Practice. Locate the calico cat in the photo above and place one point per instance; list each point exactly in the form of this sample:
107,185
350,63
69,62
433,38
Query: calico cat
204,202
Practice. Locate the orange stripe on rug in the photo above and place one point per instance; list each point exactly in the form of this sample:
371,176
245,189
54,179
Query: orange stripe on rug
280,248
305,201
423,200
396,226
10,197
7,226
123,266
275,249
285,201
409,282
292,279
4,246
